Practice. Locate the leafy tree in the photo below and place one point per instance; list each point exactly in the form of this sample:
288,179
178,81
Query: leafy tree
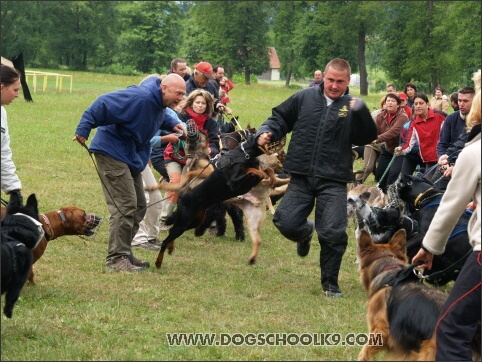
20,29
231,33
150,34
286,22
325,35
430,44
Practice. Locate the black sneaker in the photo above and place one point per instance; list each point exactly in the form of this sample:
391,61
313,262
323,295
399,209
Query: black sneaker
332,291
303,247
155,242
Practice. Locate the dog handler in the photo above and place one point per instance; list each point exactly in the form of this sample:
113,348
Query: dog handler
10,87
324,122
126,120
461,314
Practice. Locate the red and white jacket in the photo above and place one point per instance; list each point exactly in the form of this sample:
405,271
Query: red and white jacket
426,134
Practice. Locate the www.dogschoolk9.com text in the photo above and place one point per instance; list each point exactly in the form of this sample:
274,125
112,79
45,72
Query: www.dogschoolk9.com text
273,339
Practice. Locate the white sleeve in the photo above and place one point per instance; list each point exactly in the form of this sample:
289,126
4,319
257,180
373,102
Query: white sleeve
9,178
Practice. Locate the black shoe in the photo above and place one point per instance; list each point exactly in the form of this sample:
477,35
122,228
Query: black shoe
139,263
303,246
332,291
155,242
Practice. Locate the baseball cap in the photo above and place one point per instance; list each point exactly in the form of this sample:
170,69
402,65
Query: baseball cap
206,69
402,96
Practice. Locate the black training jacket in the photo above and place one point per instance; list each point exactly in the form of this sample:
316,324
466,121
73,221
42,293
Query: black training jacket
321,137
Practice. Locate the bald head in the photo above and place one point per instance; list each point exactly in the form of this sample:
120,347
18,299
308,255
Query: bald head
173,89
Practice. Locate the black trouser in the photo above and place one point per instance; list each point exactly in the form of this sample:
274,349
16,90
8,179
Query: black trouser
382,175
160,166
460,315
329,200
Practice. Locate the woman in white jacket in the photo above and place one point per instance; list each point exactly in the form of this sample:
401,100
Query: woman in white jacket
10,87
461,314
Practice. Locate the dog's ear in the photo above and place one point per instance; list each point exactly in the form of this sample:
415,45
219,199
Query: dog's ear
399,241
14,203
365,240
365,195
32,203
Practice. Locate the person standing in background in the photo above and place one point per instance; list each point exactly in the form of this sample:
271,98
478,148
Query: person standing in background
439,101
318,75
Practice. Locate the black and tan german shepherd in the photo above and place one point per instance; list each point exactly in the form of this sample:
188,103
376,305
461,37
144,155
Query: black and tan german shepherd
400,307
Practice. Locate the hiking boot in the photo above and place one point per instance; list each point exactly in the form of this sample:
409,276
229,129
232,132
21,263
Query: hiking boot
332,291
155,242
303,246
123,264
147,245
139,263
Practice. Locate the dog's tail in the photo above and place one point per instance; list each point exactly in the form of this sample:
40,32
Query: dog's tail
185,179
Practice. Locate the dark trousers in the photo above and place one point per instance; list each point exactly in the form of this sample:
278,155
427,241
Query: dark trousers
382,175
460,315
329,200
403,165
160,166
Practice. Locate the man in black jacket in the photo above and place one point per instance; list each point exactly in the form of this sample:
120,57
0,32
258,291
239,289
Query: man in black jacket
325,122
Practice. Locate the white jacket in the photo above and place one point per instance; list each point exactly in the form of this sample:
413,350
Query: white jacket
9,178
462,188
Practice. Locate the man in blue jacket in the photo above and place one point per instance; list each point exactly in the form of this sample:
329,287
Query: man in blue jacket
324,122
126,120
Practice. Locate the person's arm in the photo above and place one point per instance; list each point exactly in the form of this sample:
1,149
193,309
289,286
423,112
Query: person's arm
9,180
459,193
363,129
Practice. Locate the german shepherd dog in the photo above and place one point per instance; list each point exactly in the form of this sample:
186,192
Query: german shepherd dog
21,232
401,308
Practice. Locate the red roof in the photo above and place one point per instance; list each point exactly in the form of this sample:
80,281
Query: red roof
273,58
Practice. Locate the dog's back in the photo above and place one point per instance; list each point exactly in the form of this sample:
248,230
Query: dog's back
402,309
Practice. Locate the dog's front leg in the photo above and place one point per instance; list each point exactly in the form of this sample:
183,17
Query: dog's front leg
377,325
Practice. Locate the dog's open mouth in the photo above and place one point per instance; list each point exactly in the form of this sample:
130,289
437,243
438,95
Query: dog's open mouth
91,225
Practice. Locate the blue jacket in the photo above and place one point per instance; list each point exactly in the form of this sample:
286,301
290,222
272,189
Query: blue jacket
191,85
453,127
126,120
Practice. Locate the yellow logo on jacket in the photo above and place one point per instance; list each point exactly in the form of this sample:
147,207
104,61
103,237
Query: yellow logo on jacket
343,112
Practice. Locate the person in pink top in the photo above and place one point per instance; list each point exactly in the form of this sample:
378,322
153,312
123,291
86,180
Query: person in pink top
424,131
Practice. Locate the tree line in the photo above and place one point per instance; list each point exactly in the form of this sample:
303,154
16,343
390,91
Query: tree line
427,42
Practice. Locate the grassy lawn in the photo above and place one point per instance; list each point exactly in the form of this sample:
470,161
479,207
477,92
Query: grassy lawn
76,311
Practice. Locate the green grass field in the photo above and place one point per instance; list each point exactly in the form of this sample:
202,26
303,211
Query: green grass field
76,311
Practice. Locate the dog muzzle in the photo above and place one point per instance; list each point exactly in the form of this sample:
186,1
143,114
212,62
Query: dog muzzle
38,224
91,225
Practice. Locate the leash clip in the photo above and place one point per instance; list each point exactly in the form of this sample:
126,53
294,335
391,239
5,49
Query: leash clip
419,274
246,156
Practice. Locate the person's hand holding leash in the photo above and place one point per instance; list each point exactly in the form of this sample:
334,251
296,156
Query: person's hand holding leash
424,256
178,128
264,138
81,140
